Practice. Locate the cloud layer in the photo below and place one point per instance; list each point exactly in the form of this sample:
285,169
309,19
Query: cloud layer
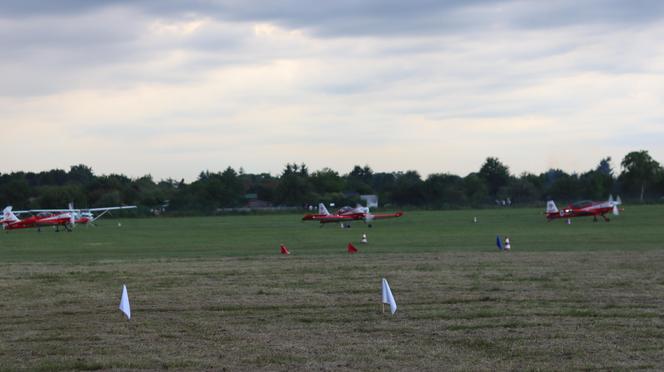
171,88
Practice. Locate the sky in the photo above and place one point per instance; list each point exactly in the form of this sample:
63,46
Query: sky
171,88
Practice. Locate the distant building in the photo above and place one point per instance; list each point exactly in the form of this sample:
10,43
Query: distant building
258,204
254,203
371,200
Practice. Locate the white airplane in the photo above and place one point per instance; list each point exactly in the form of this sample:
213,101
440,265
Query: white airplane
80,216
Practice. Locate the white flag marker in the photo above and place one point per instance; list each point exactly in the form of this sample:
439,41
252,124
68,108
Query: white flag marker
124,302
388,298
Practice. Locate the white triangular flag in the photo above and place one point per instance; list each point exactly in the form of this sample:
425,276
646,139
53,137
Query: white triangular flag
124,302
388,298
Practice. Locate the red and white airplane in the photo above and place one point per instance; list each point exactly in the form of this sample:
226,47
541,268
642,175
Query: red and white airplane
347,214
11,222
584,209
67,218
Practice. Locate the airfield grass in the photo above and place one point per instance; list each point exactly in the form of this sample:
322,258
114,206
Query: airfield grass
213,293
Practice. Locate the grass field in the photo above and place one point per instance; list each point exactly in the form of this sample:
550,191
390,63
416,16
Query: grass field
214,293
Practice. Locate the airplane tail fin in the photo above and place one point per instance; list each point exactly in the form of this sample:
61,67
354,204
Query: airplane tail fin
8,215
322,209
551,207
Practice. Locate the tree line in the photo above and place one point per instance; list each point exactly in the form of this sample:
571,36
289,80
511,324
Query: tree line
641,179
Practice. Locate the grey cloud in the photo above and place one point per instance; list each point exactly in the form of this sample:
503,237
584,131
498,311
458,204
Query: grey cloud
373,17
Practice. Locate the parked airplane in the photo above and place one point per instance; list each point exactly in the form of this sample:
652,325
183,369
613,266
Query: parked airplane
347,214
83,216
583,209
11,222
67,218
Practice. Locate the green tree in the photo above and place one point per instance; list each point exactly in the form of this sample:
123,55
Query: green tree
327,181
495,174
81,174
597,183
524,189
233,189
443,190
639,171
14,190
565,187
476,189
409,189
294,187
360,180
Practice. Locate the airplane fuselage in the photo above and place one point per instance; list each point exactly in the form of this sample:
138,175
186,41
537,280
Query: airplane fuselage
588,209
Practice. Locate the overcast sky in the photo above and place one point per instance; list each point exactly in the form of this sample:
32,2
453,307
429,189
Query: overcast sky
171,88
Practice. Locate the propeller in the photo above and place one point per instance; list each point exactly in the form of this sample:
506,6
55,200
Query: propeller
72,215
368,217
615,204
91,220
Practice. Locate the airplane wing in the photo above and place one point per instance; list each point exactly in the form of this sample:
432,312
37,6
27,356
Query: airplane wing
327,218
381,216
50,210
77,210
109,208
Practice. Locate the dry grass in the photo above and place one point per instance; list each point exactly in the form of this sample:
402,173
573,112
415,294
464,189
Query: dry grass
457,311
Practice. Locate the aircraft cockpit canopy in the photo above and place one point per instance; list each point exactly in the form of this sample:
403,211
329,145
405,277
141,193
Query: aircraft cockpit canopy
582,204
345,210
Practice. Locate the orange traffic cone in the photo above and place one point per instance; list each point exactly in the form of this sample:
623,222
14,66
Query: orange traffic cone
283,249
351,248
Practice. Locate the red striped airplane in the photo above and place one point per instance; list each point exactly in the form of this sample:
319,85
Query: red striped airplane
584,208
346,215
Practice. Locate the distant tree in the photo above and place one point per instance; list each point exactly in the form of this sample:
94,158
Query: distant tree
383,182
639,171
565,187
297,185
524,189
266,187
52,177
476,189
53,197
294,187
109,198
360,179
327,181
597,183
409,189
604,167
80,174
495,174
14,191
444,190
149,193
233,191
118,185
